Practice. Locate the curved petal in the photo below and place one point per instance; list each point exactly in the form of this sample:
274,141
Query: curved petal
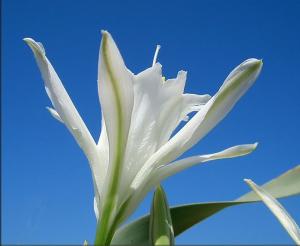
115,87
218,106
165,171
278,210
143,184
239,81
65,110
177,166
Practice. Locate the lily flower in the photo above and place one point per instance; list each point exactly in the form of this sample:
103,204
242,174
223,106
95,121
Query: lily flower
136,149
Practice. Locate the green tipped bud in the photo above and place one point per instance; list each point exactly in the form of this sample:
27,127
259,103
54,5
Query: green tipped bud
160,227
85,243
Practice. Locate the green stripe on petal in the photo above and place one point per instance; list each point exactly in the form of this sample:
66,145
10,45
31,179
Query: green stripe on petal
116,98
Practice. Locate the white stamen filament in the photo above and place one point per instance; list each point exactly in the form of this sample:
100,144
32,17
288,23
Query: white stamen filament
156,54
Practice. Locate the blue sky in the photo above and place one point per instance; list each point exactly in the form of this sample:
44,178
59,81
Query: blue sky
47,194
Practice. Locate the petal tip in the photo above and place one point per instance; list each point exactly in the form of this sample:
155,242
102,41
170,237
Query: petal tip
36,47
253,62
250,183
255,145
182,73
105,34
29,41
247,180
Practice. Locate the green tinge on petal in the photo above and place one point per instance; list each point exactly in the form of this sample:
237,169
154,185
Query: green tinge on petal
235,86
145,182
232,152
116,98
278,210
163,172
230,92
160,225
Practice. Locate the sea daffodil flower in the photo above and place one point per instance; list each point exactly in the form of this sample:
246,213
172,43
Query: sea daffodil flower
136,149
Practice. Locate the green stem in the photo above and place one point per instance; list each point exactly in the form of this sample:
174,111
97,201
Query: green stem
105,236
103,226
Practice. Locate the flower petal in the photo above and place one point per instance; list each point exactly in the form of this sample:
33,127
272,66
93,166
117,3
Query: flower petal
54,113
159,106
278,210
143,184
64,108
220,104
165,171
237,83
66,113
177,166
115,87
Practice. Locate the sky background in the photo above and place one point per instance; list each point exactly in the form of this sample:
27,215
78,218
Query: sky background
47,194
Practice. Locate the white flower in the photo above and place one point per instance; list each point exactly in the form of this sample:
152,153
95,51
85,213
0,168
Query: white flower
140,112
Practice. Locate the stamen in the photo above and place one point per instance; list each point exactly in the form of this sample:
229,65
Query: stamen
155,54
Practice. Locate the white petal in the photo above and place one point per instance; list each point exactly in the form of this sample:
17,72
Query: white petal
143,184
177,166
193,103
54,113
61,101
278,210
103,150
159,106
143,140
115,87
66,112
209,115
221,104
177,111
165,171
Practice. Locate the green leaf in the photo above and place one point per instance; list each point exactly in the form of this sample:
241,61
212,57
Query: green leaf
278,210
160,228
184,217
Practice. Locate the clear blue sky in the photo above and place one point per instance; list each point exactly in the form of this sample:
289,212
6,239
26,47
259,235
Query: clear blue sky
47,194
